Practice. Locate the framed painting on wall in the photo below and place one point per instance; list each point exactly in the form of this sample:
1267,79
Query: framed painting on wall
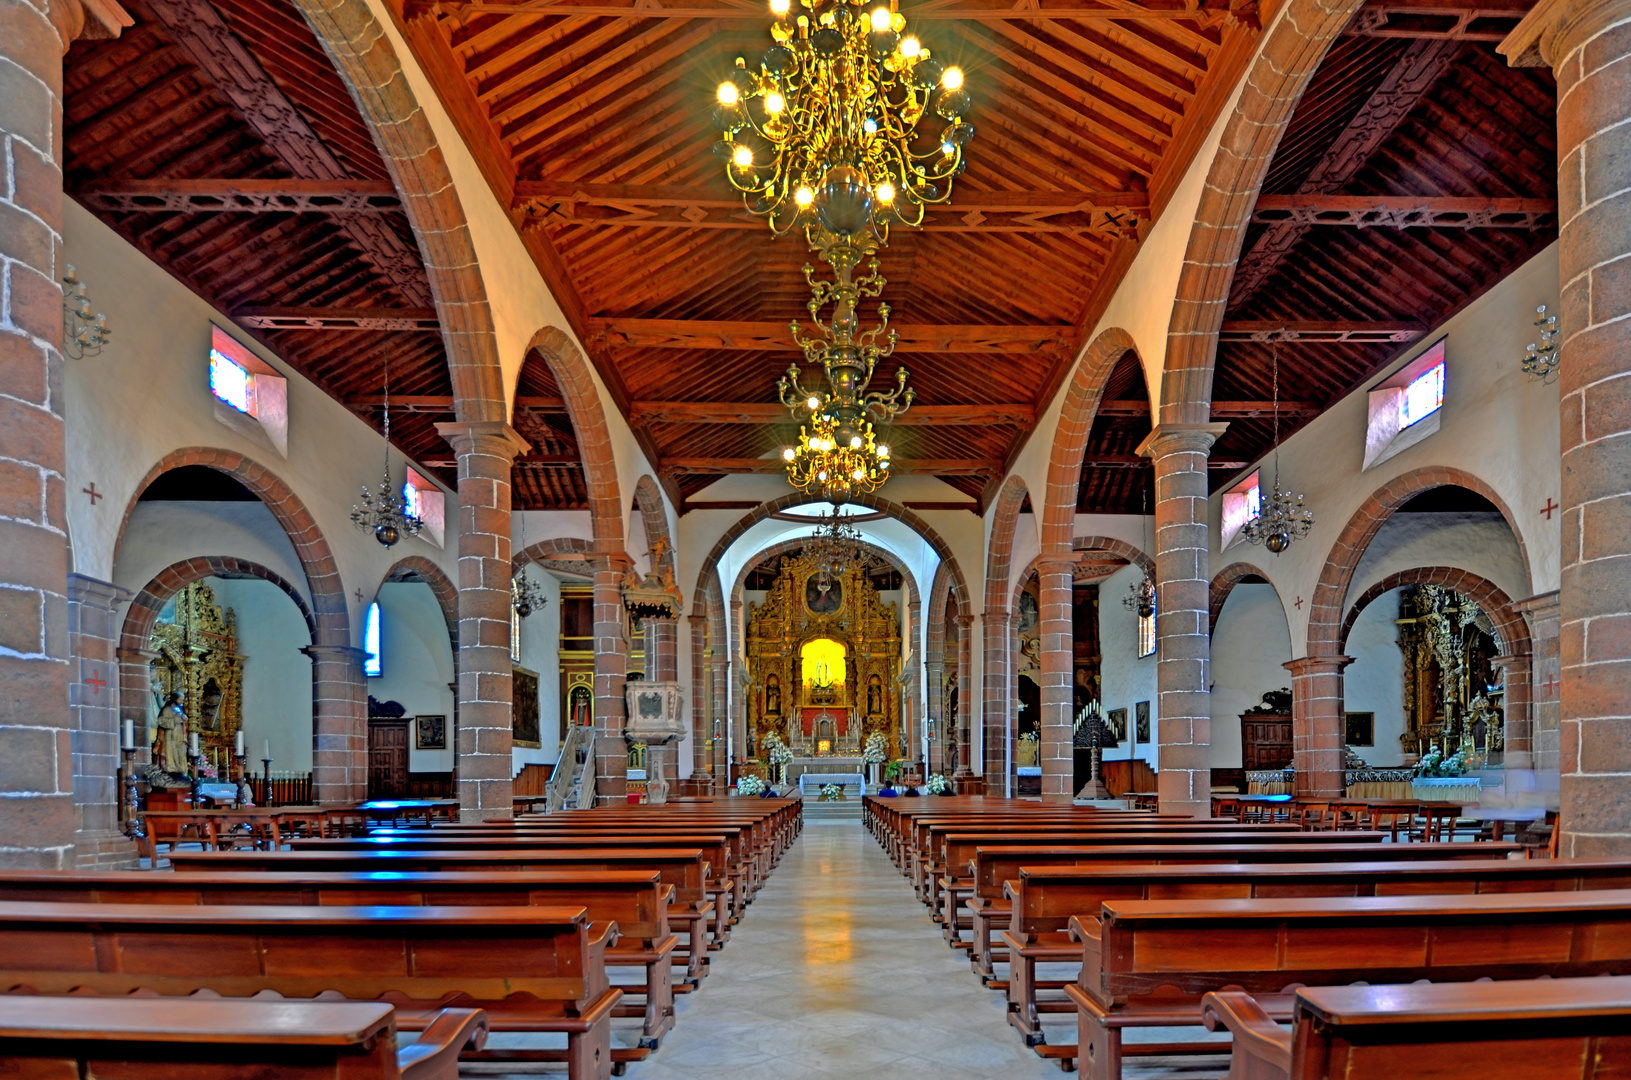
1142,712
525,714
430,732
1116,721
1359,728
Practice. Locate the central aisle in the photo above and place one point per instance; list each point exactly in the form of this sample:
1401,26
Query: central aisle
836,971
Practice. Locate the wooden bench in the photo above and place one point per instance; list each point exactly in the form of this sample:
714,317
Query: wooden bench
683,868
1148,963
1560,1029
51,1038
532,969
636,900
1045,898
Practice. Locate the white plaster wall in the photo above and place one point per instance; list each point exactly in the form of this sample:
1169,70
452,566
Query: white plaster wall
530,526
1498,425
1480,543
147,394
416,664
1374,682
541,652
1250,646
1125,678
277,676
162,533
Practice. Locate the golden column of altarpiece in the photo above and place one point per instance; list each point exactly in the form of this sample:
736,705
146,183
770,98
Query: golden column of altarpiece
823,657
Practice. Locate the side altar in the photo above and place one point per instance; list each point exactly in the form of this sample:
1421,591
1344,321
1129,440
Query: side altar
824,656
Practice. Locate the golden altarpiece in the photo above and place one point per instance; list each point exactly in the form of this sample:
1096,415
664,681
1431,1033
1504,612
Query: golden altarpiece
198,660
1451,699
824,656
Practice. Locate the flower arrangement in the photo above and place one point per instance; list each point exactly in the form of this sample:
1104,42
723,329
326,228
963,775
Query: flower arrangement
938,784
876,750
831,793
892,771
749,785
1435,764
778,752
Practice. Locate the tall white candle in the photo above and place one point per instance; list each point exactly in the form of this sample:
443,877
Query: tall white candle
238,743
192,743
130,735
267,753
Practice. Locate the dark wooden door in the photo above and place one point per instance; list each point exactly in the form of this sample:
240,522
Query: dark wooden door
1265,741
387,759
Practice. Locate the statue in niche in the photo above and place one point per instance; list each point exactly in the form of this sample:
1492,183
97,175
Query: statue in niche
773,695
168,768
874,696
209,707
823,594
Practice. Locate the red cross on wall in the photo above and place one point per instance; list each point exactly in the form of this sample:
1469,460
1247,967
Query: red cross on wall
1550,508
1299,604
1551,684
96,682
93,493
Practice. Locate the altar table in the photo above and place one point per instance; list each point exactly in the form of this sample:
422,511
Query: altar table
833,778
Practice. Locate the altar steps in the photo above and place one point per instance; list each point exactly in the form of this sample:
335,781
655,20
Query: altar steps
843,812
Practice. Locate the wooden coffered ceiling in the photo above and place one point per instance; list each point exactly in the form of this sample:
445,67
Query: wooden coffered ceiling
216,136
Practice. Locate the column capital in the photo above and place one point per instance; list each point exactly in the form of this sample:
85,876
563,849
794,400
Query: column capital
89,590
492,438
342,653
1519,660
1056,564
1167,439
1554,29
1318,665
997,615
964,622
90,19
1540,606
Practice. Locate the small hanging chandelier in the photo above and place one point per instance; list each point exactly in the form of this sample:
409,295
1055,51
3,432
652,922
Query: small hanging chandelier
1540,360
83,334
526,595
1140,596
1281,517
837,546
384,513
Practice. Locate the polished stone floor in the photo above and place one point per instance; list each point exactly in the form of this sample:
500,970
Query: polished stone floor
838,971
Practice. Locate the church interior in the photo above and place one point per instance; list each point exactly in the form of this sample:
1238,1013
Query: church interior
870,537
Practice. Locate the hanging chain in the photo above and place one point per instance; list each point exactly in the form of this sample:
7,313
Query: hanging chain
1274,367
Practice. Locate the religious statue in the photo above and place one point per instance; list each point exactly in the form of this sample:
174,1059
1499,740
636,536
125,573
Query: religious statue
874,696
168,768
773,695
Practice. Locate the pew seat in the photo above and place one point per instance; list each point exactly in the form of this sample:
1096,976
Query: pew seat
48,1038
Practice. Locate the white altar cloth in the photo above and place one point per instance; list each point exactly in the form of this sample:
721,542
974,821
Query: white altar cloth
833,778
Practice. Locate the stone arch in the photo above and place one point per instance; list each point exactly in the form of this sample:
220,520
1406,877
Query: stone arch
1511,632
363,56
1130,552
999,672
561,549
1081,405
1330,594
999,551
328,603
1294,46
914,598
571,370
1224,582
420,569
648,499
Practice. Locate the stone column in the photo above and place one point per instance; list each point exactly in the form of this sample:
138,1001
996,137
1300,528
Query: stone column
1545,680
1587,43
662,665
339,724
1518,738
719,719
701,696
935,673
1316,724
965,698
1183,614
486,450
996,717
1058,755
611,668
93,698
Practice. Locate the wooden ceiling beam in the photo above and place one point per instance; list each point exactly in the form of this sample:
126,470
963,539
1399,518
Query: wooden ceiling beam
774,337
257,196
1220,409
530,461
1321,331
1453,20
972,10
1110,213
678,466
1405,211
442,404
708,412
1136,461
294,318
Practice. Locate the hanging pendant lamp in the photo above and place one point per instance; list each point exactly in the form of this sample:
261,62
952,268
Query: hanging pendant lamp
384,513
1282,518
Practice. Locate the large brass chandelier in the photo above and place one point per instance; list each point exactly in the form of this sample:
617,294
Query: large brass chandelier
823,130
837,453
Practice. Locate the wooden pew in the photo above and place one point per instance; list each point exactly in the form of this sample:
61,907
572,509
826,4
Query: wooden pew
635,900
1046,898
1560,1029
1149,962
534,969
47,1038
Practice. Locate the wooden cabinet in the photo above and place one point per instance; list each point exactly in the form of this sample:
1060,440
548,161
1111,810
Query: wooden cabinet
1265,740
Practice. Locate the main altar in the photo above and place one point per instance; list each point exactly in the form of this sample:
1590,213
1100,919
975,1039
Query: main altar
823,657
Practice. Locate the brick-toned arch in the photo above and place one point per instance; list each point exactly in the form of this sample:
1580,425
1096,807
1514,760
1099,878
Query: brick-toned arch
999,666
1130,552
1224,582
558,550
420,569
648,499
1511,632
364,58
1295,45
328,604
1081,405
1330,594
571,370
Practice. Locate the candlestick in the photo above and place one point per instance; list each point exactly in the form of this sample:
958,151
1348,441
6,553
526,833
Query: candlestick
131,810
266,774
267,752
